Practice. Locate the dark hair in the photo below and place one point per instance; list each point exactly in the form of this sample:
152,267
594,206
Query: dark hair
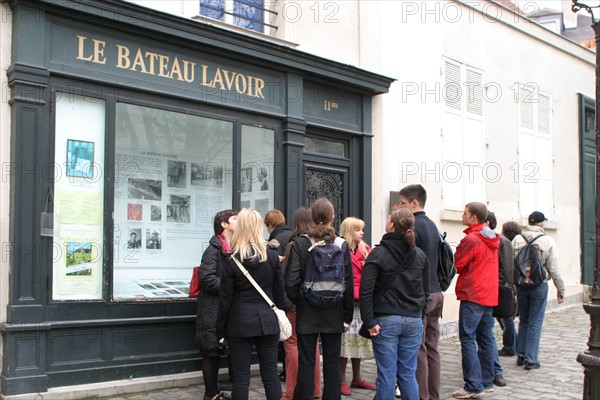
412,192
274,218
322,215
404,222
222,216
511,229
491,217
479,210
302,221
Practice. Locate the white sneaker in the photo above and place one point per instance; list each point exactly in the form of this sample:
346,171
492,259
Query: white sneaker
398,395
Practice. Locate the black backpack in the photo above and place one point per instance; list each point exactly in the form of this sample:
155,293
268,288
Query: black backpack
529,270
325,279
446,269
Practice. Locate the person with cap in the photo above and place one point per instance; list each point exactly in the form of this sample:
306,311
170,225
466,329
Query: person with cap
532,300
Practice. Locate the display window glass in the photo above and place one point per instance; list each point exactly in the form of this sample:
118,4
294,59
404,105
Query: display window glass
173,173
257,172
78,198
170,174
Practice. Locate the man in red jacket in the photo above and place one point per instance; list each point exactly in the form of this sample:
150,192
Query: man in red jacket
476,261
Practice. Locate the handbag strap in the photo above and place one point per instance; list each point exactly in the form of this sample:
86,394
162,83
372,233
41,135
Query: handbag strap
389,282
253,282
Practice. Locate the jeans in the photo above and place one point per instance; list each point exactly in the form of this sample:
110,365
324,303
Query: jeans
497,366
475,324
532,307
395,349
509,336
332,382
241,350
428,361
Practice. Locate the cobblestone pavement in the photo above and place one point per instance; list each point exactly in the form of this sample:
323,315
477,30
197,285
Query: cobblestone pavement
565,333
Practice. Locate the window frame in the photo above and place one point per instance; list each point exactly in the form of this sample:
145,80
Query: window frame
111,97
229,15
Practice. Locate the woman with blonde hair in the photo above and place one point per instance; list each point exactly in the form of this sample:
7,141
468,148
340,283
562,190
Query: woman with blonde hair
354,346
244,317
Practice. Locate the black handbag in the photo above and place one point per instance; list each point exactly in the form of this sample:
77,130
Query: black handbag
364,331
506,302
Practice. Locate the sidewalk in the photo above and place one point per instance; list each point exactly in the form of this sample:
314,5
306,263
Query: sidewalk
565,334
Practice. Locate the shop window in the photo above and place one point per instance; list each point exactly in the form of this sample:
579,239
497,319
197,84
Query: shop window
247,14
78,198
257,185
173,173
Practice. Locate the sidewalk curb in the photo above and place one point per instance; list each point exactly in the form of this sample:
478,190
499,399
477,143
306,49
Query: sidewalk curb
113,388
122,387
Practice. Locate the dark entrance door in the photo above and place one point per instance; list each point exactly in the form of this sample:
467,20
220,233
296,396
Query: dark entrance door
327,181
326,173
587,128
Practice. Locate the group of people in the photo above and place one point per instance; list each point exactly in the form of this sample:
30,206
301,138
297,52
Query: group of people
391,291
485,261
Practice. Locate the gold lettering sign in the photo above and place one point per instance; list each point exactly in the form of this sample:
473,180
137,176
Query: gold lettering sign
164,66
328,105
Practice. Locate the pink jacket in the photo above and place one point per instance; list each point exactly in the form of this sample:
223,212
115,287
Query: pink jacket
358,262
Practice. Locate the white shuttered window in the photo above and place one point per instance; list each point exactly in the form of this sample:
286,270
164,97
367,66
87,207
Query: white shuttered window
463,136
535,152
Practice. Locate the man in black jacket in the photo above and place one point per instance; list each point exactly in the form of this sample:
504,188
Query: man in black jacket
413,198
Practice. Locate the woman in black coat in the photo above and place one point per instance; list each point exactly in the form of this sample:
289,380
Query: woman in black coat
244,317
394,291
211,271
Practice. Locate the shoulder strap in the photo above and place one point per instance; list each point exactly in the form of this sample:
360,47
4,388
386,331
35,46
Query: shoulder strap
389,282
339,241
533,240
253,282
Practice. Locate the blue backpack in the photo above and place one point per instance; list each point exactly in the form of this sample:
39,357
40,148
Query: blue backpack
324,281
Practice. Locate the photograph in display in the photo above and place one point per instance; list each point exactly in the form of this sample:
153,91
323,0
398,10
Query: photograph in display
263,179
155,213
176,174
152,288
135,238
153,239
79,259
145,189
134,212
80,158
207,174
178,209
246,180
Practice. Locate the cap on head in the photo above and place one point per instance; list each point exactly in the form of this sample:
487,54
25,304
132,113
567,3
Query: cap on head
536,217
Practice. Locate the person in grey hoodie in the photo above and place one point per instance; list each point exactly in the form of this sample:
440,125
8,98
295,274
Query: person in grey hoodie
532,301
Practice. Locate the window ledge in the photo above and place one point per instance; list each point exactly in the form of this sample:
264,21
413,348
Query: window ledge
451,215
548,225
456,216
248,32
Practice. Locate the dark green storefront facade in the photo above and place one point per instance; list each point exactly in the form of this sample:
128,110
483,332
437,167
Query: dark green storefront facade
130,123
